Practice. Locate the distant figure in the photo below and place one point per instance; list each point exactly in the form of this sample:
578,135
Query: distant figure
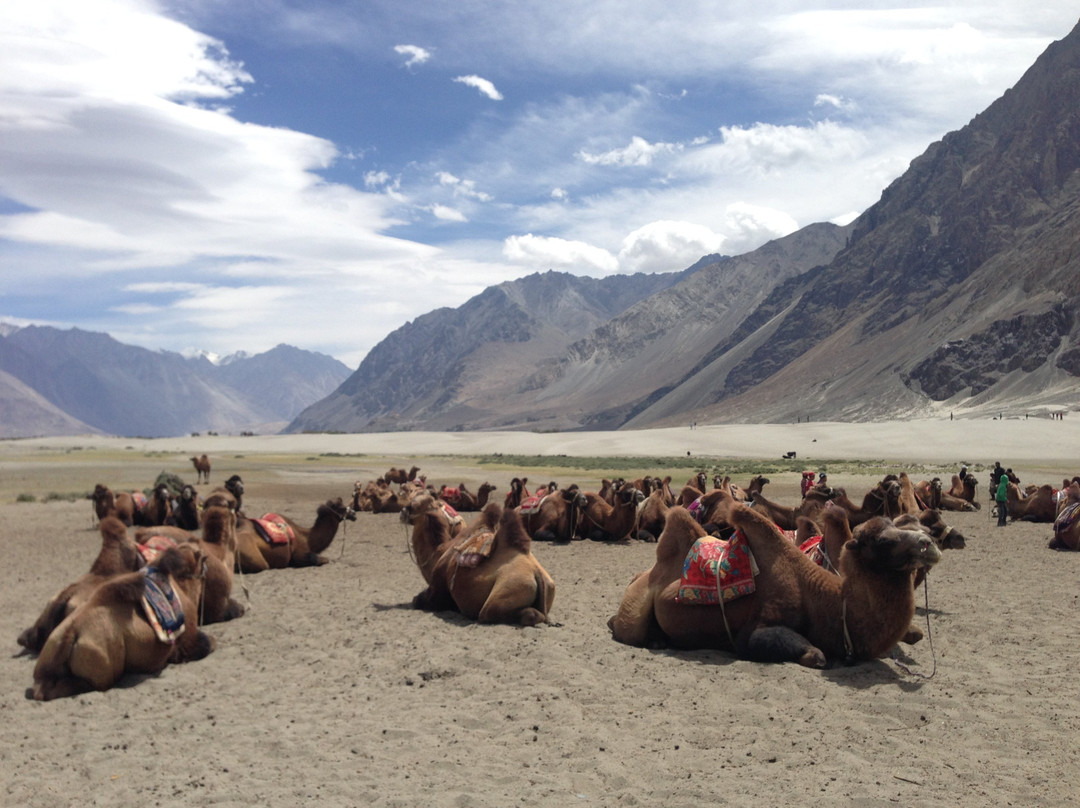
995,475
1001,497
202,468
807,481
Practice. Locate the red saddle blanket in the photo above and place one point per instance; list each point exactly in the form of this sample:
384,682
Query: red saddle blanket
274,529
717,571
139,499
474,549
815,552
530,505
162,606
155,546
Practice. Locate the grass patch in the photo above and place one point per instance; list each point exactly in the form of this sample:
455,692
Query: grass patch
26,498
58,496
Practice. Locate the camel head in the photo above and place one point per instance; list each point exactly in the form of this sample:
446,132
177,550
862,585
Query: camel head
574,496
883,548
235,486
219,525
338,508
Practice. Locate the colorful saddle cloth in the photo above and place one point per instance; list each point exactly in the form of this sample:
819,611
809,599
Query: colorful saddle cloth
474,549
162,606
696,510
140,500
154,546
274,529
530,505
452,516
1066,519
814,550
717,571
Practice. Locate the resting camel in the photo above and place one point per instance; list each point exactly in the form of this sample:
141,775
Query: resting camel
118,554
651,516
185,513
798,612
462,499
158,507
1037,507
487,573
202,468
1067,521
110,635
752,490
231,495
786,518
963,487
603,522
517,493
400,476
120,504
555,516
299,546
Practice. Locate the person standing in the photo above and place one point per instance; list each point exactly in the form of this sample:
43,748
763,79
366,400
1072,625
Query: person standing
1001,496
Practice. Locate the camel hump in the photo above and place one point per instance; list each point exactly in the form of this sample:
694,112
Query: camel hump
513,532
112,529
127,588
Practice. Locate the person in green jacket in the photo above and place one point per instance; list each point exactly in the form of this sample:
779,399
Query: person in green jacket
1001,496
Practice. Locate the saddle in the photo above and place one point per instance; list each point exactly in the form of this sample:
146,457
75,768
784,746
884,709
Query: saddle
1066,519
531,505
162,606
153,547
274,529
717,571
472,550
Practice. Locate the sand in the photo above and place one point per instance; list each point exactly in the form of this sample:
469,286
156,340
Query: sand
332,688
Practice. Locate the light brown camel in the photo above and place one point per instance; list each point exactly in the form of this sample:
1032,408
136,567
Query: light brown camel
118,554
110,635
752,489
932,495
799,612
651,516
120,504
786,517
299,547
909,502
400,476
554,516
964,486
601,521
487,573
517,493
462,499
1067,521
1037,507
202,468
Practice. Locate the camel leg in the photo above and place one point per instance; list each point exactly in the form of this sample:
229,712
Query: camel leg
503,604
779,644
632,623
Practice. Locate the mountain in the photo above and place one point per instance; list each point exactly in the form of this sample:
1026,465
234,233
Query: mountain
68,382
956,291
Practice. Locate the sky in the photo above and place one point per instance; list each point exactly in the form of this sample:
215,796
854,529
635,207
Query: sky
225,176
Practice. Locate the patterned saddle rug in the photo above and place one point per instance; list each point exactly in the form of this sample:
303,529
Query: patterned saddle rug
452,516
140,500
162,606
474,549
1066,519
274,529
153,547
815,551
696,510
717,571
531,505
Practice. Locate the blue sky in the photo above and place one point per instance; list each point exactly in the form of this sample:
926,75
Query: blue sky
229,176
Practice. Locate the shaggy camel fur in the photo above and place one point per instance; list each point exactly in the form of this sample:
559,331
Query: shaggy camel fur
119,504
202,468
255,554
109,635
507,585
400,476
556,516
799,612
185,514
118,554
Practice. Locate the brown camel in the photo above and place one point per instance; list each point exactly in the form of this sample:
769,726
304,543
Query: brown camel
1067,521
798,612
120,504
964,486
603,522
293,546
752,489
185,513
118,554
786,517
158,507
554,516
110,635
400,476
652,515
487,573
462,499
1039,506
517,493
202,468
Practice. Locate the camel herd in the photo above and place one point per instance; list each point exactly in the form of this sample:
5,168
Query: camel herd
825,579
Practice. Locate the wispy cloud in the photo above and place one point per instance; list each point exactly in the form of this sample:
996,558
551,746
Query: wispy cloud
483,85
416,54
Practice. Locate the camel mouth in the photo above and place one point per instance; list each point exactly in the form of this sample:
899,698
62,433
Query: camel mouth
929,554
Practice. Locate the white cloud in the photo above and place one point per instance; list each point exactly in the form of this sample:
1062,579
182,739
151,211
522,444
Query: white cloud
416,54
663,246
483,85
638,153
547,252
462,188
448,214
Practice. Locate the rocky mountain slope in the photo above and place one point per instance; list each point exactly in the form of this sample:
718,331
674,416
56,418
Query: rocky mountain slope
958,291
54,381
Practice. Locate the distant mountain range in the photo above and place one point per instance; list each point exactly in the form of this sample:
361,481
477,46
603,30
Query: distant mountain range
958,291
62,382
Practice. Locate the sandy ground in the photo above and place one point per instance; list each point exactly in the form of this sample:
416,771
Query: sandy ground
332,688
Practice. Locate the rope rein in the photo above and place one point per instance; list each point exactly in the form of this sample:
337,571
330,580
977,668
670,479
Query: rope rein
929,637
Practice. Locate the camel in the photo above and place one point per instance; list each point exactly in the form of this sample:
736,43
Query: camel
963,487
786,518
400,476
298,546
932,495
517,493
231,495
110,634
158,507
554,516
881,500
119,504
118,554
798,612
202,469
1067,521
751,491
603,522
1037,507
185,513
462,499
651,516
488,573
909,502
